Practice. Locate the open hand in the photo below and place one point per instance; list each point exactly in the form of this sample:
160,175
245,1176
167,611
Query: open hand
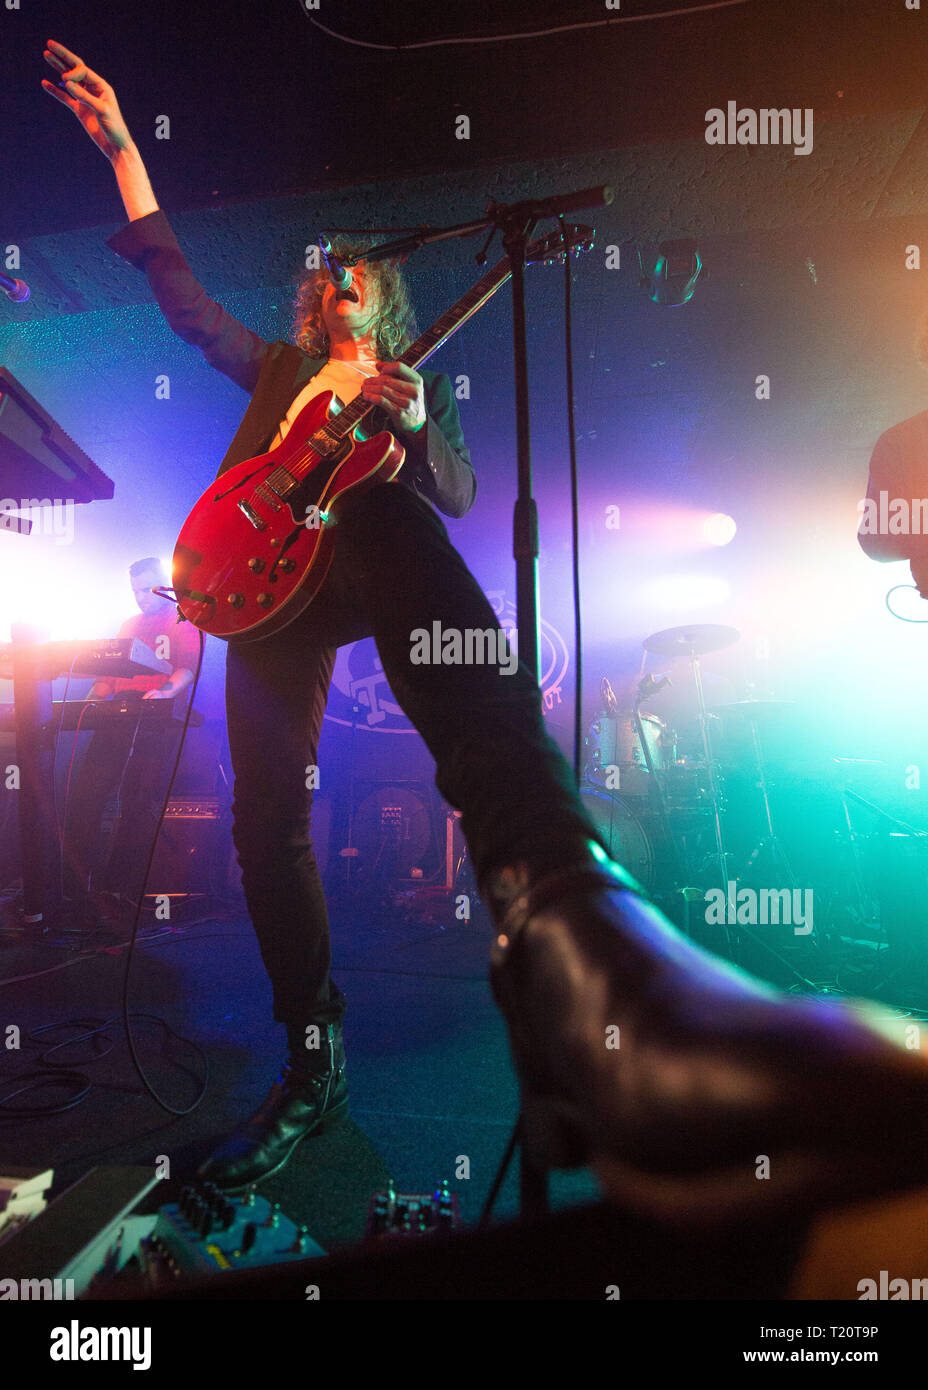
92,100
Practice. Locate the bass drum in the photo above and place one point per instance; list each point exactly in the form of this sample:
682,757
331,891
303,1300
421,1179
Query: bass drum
622,832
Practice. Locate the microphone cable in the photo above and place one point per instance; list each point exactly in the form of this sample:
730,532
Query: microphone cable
574,504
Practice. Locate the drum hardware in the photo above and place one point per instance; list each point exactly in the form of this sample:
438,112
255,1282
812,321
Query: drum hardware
901,839
857,874
748,711
684,785
649,686
693,642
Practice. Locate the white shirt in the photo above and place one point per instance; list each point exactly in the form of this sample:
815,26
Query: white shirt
341,377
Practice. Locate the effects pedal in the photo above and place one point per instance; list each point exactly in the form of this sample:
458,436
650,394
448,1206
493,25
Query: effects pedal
208,1231
393,1213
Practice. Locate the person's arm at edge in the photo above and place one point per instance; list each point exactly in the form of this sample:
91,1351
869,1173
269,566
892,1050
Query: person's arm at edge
887,475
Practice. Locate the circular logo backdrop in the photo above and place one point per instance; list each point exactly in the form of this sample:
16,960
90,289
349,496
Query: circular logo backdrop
358,677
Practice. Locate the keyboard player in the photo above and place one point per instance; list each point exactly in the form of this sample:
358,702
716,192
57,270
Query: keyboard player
134,762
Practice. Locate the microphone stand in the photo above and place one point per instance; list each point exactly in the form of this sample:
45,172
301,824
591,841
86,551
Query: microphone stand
516,222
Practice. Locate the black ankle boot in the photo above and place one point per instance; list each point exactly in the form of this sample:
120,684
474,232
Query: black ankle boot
670,1071
302,1101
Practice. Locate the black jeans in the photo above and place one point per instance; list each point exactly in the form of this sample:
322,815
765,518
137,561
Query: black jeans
394,571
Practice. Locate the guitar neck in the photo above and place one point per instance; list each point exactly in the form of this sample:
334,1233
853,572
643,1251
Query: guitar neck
430,341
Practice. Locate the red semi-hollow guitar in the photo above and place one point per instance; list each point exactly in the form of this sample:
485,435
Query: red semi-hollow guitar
256,548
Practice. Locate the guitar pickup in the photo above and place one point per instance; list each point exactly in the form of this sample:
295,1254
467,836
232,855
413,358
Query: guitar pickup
324,444
248,511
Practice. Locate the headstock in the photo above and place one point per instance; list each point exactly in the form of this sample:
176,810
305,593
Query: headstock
551,248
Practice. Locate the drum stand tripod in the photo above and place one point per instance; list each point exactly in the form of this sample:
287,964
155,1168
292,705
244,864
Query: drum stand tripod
680,857
771,841
693,642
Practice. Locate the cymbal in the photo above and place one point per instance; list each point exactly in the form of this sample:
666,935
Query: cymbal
695,640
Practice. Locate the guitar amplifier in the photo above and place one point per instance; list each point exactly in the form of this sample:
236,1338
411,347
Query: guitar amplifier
193,808
191,848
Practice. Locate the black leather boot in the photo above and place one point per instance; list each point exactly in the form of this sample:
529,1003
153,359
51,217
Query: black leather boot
696,1092
301,1102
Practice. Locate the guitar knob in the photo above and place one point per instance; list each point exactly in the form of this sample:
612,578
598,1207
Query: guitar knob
256,566
237,600
288,566
265,600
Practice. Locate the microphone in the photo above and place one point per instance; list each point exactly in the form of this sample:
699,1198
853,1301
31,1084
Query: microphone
17,290
340,274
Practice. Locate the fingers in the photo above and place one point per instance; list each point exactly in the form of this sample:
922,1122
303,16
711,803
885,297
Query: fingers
82,95
59,95
87,78
400,400
69,65
399,382
60,57
388,394
399,369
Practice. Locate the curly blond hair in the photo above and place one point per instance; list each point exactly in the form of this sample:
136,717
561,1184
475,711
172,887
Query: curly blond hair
395,321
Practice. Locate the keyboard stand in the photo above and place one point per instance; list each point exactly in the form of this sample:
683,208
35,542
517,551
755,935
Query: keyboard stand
38,831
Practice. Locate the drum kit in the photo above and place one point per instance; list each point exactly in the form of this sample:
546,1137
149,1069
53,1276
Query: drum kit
659,803
749,794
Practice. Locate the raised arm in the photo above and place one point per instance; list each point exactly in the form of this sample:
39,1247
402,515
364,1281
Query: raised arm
148,242
94,103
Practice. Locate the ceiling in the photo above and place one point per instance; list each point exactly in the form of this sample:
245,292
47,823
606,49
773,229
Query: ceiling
262,101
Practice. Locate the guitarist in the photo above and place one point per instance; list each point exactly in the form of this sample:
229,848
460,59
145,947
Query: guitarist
713,1068
394,571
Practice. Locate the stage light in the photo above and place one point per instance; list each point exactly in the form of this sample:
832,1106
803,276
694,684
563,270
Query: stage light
672,282
49,587
685,593
719,528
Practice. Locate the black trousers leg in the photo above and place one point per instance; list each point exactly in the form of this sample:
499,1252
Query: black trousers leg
395,571
483,725
276,692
